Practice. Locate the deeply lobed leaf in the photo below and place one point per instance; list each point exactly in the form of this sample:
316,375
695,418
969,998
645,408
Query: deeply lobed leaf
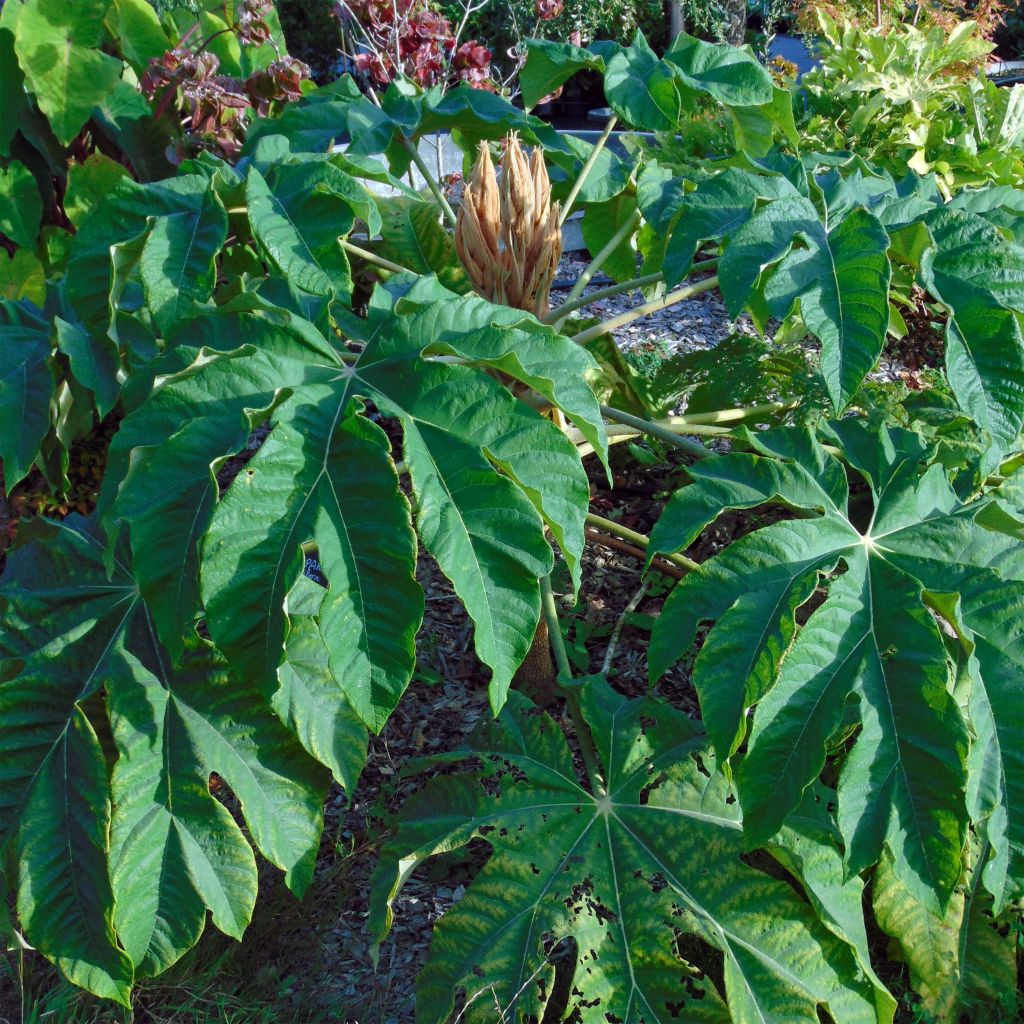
871,653
115,873
486,471
658,932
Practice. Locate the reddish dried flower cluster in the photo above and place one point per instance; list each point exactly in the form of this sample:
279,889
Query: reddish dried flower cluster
214,106
548,9
408,38
252,27
472,64
175,68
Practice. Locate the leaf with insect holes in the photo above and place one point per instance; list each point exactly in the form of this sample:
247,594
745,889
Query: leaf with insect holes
641,901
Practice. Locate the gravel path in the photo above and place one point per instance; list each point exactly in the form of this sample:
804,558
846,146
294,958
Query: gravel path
690,326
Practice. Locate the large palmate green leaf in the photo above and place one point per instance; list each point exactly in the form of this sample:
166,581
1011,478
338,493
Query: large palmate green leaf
176,263
730,74
871,652
324,118
839,277
167,233
643,90
54,795
820,245
550,64
484,467
297,216
648,92
979,276
124,116
27,383
718,207
755,128
412,236
472,115
114,875
309,698
21,208
790,243
140,36
58,48
601,222
992,620
167,524
609,175
506,340
341,113
649,879
963,963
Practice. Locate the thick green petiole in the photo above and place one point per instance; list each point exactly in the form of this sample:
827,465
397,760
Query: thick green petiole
569,691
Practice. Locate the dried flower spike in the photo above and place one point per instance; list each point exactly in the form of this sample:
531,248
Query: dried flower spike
508,234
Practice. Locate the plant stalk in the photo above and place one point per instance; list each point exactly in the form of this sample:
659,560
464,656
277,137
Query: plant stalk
707,423
421,165
547,596
729,415
679,295
619,432
604,293
587,168
572,700
372,257
641,540
692,448
597,262
616,289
